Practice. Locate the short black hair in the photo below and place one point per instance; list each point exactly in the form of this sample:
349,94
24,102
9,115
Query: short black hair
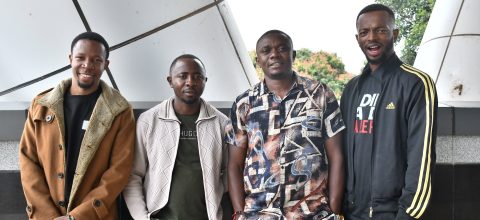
186,56
377,7
275,32
89,35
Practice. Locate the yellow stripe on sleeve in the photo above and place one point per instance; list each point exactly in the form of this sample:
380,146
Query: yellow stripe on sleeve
421,198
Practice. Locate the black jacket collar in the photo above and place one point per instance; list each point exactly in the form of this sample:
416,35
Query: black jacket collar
385,70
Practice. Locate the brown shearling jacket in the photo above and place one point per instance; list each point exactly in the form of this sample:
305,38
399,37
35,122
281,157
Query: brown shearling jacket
104,162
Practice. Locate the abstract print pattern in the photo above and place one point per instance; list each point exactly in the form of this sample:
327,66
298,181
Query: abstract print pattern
286,169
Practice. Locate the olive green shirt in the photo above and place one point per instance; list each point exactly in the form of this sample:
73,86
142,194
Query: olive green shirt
187,198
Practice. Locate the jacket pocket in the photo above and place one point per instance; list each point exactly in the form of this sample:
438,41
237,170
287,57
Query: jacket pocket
385,205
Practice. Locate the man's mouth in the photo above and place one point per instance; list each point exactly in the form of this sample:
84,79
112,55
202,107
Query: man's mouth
373,50
189,92
86,76
275,64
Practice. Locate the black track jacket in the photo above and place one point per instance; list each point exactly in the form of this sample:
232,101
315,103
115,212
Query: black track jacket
404,135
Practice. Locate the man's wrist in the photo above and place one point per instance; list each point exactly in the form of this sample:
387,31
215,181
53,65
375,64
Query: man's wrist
237,214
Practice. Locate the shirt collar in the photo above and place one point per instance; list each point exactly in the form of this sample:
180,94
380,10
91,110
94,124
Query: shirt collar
299,83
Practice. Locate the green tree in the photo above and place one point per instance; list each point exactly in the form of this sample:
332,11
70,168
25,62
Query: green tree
321,66
411,18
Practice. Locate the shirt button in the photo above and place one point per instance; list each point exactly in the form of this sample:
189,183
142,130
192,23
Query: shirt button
97,203
60,175
49,118
61,203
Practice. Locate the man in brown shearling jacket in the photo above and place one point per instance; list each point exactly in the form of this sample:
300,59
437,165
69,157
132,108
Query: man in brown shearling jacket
76,149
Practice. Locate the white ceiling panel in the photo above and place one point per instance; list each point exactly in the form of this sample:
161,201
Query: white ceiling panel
468,21
442,19
458,81
452,58
120,20
41,33
35,39
140,69
431,63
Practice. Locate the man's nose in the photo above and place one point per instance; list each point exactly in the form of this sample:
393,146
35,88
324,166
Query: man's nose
372,35
275,53
88,64
190,80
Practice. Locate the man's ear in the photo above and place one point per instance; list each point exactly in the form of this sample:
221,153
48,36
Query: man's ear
294,55
169,79
395,34
107,62
70,58
358,41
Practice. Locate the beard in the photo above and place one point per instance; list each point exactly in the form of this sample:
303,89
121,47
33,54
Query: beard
85,85
190,101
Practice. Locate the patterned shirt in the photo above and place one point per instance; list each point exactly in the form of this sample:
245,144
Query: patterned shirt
286,167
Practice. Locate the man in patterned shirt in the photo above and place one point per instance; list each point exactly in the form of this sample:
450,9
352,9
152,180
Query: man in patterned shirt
287,161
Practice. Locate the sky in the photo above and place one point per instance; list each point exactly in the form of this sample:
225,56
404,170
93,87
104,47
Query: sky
314,24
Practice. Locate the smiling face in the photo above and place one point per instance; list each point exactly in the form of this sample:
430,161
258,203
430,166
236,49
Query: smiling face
376,35
187,78
275,56
88,63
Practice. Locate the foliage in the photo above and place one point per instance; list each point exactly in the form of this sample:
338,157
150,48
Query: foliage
321,66
411,18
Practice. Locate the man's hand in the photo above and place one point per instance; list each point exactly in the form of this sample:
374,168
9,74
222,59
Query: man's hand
336,169
236,164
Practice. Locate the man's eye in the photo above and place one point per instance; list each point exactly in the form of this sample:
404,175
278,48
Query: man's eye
382,31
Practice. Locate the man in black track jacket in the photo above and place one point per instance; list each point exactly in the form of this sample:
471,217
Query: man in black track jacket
390,114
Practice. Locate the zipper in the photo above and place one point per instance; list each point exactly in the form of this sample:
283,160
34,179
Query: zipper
357,91
372,158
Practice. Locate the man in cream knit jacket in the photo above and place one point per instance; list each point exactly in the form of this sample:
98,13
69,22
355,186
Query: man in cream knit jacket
180,152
